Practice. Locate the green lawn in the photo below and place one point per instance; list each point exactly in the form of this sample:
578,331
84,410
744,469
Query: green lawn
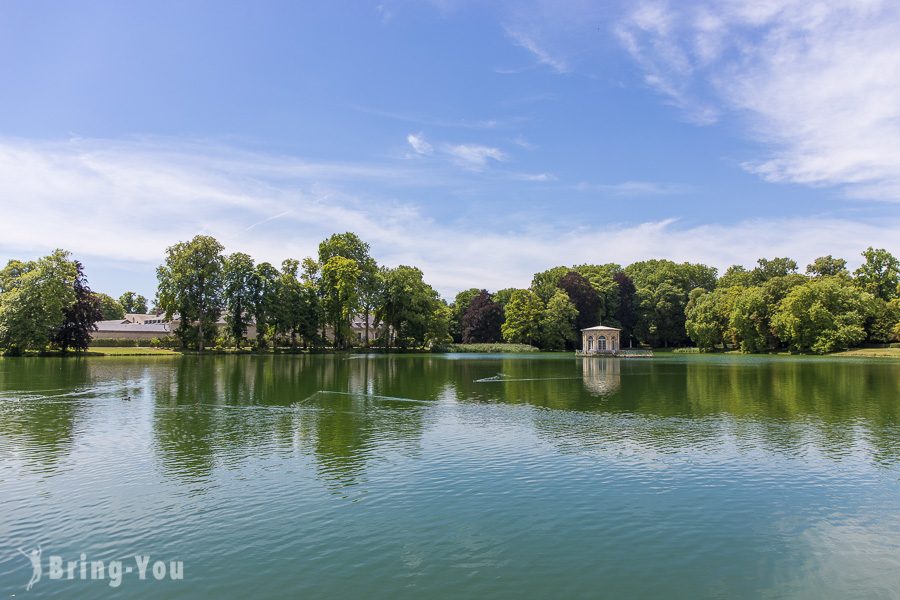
133,351
870,353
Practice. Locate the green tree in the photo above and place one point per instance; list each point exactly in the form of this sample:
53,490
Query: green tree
264,295
752,312
291,300
735,275
558,322
603,279
883,319
110,308
767,269
522,324
133,303
879,274
349,245
190,286
238,275
661,292
545,283
502,297
340,293
412,310
708,316
827,266
34,298
822,315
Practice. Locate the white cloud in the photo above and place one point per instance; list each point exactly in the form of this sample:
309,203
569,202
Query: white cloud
419,144
474,156
127,201
543,56
817,82
634,188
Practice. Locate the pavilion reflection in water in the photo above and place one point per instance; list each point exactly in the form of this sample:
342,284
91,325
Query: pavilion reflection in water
601,376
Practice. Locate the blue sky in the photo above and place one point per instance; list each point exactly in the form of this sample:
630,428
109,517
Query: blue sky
481,141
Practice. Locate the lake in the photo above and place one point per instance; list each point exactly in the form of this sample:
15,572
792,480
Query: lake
446,476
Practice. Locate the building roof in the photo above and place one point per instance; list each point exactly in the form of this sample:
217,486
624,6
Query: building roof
601,328
117,325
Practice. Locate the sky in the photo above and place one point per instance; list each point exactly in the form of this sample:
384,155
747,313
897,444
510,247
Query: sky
479,141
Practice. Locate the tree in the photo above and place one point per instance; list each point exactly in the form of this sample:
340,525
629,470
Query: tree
34,299
482,320
626,312
264,297
735,275
291,300
545,283
883,320
558,322
349,245
413,311
603,279
827,266
238,275
81,316
767,269
751,315
583,296
190,285
661,290
522,324
502,297
822,315
458,308
340,293
133,303
708,316
879,274
110,308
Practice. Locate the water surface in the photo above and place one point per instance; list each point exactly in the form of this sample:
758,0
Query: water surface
456,475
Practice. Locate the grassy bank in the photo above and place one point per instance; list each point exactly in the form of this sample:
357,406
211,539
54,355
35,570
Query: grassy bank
488,348
133,351
870,353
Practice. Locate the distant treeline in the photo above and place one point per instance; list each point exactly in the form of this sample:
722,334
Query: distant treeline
46,304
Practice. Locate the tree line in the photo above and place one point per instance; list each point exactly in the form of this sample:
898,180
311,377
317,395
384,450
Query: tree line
47,304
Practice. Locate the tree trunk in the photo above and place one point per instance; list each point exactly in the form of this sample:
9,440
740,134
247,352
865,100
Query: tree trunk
366,316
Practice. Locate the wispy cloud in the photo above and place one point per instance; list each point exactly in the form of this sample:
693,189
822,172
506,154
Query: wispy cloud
129,200
419,144
474,156
541,54
432,121
818,83
635,188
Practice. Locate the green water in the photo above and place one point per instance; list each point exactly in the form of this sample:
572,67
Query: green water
448,476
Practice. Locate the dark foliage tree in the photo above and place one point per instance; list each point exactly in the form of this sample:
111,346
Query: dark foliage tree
458,308
626,311
583,296
80,317
482,320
